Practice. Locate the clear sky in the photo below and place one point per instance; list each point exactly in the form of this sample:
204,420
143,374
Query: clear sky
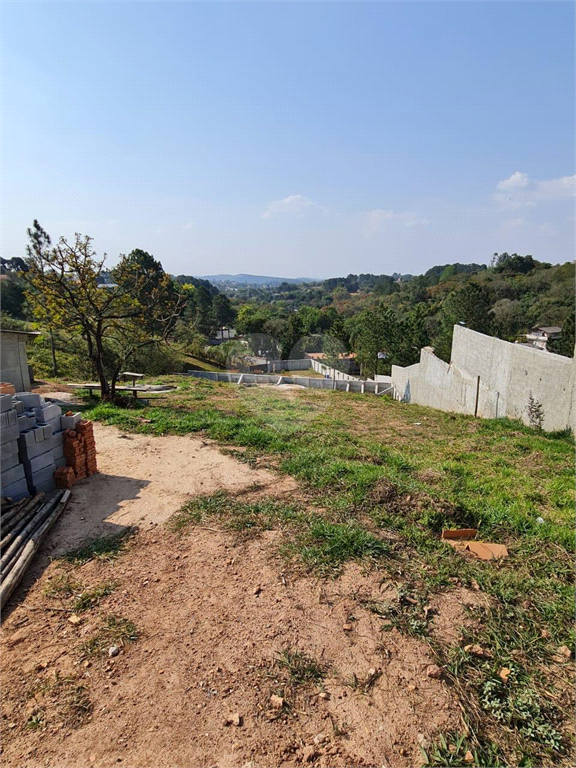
292,138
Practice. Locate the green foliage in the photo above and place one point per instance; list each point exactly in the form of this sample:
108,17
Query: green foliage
565,344
516,704
505,262
13,297
67,291
89,598
467,306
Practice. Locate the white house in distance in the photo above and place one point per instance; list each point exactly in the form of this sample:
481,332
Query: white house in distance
540,335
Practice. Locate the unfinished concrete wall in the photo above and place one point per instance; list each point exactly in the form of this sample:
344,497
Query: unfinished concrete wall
300,365
274,366
341,385
512,373
491,378
14,361
403,380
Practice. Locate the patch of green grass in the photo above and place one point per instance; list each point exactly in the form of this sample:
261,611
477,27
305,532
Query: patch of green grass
116,630
301,668
103,548
90,598
237,515
326,546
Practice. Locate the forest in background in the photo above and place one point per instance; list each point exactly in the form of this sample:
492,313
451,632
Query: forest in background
382,319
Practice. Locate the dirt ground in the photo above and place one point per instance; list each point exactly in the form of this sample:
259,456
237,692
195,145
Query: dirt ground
212,614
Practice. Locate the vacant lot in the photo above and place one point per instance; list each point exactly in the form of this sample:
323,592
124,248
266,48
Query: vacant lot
287,599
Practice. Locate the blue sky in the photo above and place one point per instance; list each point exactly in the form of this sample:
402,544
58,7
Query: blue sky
292,138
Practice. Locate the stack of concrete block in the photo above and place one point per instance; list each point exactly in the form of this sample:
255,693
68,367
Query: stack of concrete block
41,442
35,453
12,475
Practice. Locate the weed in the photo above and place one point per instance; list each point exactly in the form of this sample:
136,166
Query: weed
89,598
63,696
236,515
103,548
514,703
535,411
458,750
364,684
301,668
408,614
61,584
115,631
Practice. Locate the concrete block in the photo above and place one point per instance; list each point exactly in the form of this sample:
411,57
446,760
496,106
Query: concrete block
39,434
10,455
30,399
18,405
48,413
16,490
9,434
50,427
42,461
42,480
58,452
8,419
26,422
11,476
5,403
60,462
69,422
46,486
28,439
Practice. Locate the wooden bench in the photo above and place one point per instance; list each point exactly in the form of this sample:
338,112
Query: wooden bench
90,385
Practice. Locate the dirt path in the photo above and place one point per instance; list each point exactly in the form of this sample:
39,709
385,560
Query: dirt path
143,480
212,615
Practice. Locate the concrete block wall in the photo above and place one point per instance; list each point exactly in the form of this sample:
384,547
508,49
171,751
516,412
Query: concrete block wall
301,365
341,385
492,379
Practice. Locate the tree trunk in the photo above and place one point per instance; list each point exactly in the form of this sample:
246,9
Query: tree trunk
98,360
53,352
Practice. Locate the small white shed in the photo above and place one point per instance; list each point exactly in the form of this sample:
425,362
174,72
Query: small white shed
14,360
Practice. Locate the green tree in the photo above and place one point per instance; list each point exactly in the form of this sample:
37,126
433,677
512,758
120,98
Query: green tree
291,334
376,332
65,290
13,298
223,313
468,306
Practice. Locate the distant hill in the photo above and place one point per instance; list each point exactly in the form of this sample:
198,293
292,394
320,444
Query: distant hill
255,279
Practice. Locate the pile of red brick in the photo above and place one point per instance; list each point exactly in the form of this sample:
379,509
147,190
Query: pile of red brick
65,477
80,453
